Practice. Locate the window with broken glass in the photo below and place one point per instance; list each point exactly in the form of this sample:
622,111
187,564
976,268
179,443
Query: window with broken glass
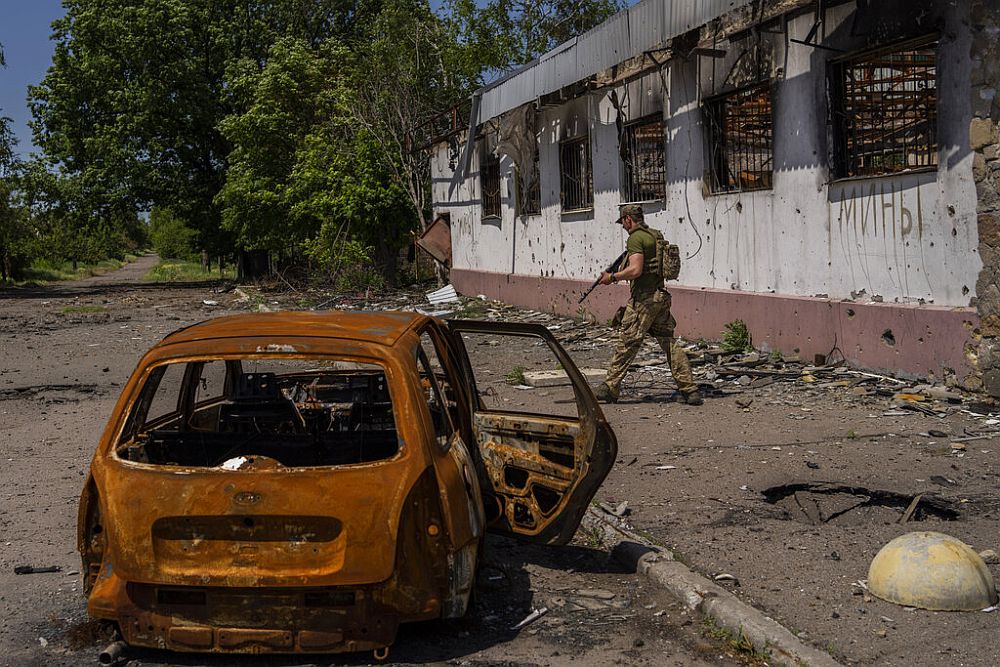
489,179
529,189
641,151
576,180
740,139
885,110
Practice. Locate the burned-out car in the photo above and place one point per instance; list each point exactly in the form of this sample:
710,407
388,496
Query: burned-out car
304,482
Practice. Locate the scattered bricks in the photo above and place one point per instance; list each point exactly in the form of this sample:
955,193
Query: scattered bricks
981,133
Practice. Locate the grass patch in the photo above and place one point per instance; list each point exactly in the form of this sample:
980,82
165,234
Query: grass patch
180,271
516,376
42,272
71,310
736,643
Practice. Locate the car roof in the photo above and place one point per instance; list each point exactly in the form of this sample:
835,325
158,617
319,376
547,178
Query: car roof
384,327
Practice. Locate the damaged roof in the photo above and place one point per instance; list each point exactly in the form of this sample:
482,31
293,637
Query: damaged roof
383,328
631,32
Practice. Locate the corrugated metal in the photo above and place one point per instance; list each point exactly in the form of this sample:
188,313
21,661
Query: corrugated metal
606,45
647,23
628,33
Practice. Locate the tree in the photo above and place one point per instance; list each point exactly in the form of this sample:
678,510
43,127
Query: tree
507,33
132,103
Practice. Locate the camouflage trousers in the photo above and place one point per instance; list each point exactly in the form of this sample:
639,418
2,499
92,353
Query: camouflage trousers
649,315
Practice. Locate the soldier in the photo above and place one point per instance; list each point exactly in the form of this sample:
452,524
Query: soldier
647,311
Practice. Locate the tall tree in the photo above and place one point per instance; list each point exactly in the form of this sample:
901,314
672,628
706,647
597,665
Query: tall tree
137,88
504,34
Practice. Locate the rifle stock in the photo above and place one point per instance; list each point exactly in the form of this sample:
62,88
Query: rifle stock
610,269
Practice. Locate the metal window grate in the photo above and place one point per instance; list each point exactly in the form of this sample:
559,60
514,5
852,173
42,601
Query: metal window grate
529,200
741,140
489,181
885,112
576,184
643,170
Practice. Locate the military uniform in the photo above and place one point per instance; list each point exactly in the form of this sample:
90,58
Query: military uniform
647,311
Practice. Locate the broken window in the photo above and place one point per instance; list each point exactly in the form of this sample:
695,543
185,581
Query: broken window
576,181
529,188
489,179
643,171
298,412
438,390
740,139
885,110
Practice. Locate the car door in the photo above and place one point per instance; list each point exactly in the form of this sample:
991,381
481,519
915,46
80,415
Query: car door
544,451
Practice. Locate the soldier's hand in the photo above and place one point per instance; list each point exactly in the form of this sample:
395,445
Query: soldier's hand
605,278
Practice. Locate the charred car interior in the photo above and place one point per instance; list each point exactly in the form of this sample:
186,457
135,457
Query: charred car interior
233,412
305,482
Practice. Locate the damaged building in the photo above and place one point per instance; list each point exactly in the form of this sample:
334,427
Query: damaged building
829,170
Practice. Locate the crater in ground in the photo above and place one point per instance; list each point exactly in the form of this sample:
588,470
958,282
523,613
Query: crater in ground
817,503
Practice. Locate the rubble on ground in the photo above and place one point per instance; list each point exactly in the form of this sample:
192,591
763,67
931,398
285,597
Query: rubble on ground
767,376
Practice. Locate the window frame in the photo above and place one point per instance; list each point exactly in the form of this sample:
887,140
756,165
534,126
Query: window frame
491,205
844,165
586,165
719,172
631,183
533,196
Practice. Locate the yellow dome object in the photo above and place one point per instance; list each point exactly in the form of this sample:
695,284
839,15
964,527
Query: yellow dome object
931,571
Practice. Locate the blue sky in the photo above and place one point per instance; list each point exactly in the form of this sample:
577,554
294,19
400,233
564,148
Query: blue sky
24,33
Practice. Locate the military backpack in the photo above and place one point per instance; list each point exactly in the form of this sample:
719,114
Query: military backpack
667,261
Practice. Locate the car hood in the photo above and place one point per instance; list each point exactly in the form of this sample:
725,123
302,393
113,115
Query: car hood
279,527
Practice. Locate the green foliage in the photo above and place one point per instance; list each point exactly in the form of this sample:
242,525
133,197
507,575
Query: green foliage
172,271
775,356
74,310
170,237
506,33
516,376
736,337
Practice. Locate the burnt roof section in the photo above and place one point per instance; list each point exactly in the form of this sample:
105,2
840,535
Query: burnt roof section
383,328
631,32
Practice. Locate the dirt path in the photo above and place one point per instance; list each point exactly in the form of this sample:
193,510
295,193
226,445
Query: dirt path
66,353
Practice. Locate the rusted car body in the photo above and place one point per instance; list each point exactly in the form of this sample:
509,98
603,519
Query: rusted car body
305,482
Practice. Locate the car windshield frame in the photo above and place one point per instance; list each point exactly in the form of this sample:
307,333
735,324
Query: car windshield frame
399,399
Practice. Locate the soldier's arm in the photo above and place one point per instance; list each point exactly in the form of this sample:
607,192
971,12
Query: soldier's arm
631,271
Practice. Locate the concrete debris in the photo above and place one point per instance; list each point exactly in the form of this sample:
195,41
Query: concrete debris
446,294
766,378
530,618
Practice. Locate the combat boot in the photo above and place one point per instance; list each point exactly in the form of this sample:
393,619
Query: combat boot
694,398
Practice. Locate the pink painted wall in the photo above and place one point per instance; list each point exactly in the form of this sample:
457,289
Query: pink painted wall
926,340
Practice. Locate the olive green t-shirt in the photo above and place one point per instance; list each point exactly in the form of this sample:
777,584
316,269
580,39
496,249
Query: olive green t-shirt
641,241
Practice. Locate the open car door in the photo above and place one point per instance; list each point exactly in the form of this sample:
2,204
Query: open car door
545,451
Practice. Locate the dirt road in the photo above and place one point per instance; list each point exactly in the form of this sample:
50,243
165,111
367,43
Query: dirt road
65,353
790,488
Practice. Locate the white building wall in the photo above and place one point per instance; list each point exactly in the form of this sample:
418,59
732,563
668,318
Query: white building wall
905,238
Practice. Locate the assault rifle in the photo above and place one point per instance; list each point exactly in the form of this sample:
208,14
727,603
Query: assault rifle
610,269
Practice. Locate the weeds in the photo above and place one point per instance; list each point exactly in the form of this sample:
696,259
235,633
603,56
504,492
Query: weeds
71,310
737,643
736,337
178,271
775,356
516,376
